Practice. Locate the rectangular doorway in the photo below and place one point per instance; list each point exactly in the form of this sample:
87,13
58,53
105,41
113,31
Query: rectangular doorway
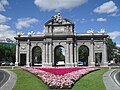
22,59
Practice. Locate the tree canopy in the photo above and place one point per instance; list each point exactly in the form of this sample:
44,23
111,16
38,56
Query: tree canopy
7,53
59,54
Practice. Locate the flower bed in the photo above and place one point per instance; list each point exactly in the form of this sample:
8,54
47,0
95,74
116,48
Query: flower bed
59,71
59,77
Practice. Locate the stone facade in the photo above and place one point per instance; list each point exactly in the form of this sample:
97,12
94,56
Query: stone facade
60,32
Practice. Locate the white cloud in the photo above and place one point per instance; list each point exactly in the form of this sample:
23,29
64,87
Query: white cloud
101,19
25,22
6,32
118,45
108,7
114,14
114,34
3,3
4,19
83,21
4,27
57,5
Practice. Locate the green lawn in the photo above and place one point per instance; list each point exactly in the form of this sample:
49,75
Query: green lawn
92,81
27,81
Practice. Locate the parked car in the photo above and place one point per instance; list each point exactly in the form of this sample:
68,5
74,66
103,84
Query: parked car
80,63
1,62
61,63
6,63
114,64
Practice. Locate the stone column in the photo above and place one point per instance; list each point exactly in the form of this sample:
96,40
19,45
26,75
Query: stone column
75,54
28,54
17,53
71,54
91,61
67,55
47,54
43,55
50,54
104,54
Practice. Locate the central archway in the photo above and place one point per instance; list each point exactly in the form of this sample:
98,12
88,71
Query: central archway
59,56
36,56
83,55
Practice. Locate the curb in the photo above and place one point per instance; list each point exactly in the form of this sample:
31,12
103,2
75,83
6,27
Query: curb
115,78
109,80
10,82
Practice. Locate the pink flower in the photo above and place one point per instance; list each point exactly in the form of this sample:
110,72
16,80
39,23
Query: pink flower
59,77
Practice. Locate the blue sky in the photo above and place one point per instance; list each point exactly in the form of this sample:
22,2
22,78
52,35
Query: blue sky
30,15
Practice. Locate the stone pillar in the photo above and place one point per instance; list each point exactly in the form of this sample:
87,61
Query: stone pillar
43,55
28,54
50,54
67,55
104,55
71,54
47,54
91,61
17,53
75,54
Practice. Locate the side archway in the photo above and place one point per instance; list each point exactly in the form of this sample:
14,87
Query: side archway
36,56
83,53
59,56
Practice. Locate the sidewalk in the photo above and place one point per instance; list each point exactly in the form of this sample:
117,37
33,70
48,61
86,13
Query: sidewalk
11,81
109,80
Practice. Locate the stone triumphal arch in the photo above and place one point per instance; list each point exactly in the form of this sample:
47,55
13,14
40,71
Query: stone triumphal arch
39,49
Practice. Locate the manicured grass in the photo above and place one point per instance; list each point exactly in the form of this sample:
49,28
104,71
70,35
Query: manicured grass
92,81
27,81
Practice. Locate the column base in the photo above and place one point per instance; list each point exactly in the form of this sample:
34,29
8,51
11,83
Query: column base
69,65
75,64
92,64
105,64
16,63
28,64
47,65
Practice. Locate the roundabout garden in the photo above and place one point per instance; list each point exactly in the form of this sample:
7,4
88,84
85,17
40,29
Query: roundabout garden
59,78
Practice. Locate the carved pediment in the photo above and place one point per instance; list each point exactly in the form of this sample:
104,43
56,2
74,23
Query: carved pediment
58,20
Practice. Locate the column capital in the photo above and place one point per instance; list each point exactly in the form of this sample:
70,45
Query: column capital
44,43
51,43
69,42
104,42
28,42
92,41
17,42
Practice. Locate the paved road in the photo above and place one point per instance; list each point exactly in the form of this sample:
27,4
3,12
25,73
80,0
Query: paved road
116,76
4,76
110,80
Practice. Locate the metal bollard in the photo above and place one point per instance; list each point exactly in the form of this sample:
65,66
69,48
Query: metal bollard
12,67
109,67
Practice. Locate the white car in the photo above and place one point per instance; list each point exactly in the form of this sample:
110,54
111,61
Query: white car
60,63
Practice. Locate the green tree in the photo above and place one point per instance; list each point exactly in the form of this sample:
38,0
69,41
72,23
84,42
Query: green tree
7,53
59,54
83,54
37,55
117,55
110,46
